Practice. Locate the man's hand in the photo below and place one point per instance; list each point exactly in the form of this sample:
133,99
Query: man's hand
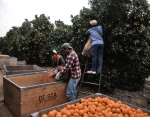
55,71
57,77
60,68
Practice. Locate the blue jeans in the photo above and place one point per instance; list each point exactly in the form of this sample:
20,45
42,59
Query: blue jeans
71,88
97,57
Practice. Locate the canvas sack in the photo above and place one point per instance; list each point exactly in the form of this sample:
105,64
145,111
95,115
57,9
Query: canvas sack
87,48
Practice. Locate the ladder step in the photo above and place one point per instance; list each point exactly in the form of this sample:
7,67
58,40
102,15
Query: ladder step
84,92
90,73
90,83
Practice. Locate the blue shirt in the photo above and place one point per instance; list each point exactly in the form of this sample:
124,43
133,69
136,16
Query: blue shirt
95,36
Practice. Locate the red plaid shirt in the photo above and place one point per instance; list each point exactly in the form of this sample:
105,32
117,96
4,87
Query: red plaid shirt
72,64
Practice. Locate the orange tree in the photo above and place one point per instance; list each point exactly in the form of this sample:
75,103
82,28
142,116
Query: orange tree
31,41
127,45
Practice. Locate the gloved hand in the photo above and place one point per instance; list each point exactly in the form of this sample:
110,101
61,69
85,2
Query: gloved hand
55,71
57,77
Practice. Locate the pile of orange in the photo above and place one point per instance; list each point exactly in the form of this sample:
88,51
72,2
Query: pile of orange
98,107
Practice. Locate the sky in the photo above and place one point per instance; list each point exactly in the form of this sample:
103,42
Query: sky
14,12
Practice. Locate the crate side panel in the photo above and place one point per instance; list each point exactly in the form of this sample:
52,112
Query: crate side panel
27,80
18,68
7,61
12,97
34,100
46,79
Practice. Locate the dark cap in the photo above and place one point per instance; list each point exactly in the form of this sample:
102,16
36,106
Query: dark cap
66,45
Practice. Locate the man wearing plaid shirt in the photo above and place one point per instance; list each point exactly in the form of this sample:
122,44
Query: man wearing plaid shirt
72,64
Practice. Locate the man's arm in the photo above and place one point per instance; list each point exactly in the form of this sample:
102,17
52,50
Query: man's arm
61,61
68,64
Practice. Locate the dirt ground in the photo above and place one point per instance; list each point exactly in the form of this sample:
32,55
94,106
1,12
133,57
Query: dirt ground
138,98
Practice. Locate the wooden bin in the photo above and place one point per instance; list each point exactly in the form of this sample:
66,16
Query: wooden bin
28,93
7,60
19,69
59,107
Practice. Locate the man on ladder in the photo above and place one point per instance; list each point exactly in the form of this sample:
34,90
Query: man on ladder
97,46
96,33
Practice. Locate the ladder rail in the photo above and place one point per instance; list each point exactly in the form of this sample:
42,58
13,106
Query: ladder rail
91,83
84,72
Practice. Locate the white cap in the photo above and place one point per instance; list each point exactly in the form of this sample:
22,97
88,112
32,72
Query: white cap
93,22
54,51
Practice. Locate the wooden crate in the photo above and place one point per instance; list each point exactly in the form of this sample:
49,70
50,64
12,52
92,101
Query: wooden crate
7,60
31,92
19,69
59,107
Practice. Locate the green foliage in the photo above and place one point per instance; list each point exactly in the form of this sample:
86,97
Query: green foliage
126,43
126,30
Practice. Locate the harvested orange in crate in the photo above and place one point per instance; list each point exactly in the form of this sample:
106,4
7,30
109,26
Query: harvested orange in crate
98,106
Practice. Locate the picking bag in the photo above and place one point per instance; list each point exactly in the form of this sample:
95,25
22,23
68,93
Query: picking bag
87,48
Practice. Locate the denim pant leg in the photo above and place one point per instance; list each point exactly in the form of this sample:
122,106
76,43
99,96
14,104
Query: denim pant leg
94,52
71,88
100,58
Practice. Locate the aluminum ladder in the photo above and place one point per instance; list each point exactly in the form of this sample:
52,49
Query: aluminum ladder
86,82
